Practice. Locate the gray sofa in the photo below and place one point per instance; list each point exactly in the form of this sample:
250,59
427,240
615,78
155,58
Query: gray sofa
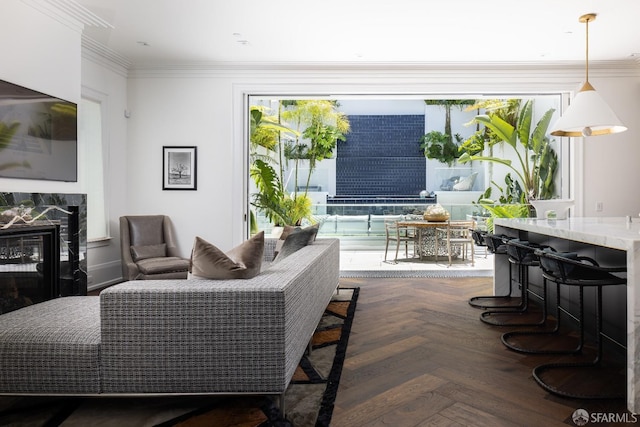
173,336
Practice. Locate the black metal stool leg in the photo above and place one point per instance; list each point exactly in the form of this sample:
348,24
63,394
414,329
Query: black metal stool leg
492,317
507,336
576,272
495,244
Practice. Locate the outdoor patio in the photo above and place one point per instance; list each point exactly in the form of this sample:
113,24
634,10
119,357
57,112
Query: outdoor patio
363,262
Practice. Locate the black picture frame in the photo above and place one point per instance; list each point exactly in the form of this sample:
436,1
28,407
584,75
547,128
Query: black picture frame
179,168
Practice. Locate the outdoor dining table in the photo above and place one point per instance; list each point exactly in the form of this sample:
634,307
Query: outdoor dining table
426,231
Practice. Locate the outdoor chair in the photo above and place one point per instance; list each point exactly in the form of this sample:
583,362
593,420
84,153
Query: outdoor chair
399,234
456,235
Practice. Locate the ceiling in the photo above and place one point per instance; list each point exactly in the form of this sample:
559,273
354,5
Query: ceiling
156,32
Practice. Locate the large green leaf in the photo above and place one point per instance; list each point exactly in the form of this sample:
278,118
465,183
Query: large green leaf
466,157
505,131
540,132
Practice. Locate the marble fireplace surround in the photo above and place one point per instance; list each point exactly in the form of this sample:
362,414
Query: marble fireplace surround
612,232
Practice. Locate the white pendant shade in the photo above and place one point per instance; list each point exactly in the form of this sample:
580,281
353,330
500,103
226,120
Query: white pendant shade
588,115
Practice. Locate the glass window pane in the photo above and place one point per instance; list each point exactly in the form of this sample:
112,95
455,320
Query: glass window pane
90,134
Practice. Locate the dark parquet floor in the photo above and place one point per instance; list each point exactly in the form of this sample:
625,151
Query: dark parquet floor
418,355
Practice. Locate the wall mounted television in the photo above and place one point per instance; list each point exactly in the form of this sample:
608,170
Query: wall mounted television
38,135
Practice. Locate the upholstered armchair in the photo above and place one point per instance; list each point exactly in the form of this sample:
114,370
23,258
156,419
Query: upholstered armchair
149,250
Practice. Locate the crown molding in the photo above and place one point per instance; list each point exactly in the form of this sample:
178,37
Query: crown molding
566,68
69,13
101,54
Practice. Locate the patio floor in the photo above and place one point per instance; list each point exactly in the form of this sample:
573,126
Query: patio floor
362,262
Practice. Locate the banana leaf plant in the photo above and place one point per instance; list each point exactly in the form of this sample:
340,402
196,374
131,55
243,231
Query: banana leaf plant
536,164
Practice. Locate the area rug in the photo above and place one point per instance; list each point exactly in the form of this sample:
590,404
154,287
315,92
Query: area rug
309,399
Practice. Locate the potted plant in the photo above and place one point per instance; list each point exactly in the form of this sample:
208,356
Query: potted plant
444,147
439,146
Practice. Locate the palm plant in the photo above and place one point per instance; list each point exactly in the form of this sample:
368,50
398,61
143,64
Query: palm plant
323,126
280,208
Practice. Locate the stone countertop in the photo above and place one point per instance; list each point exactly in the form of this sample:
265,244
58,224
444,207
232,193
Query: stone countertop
610,232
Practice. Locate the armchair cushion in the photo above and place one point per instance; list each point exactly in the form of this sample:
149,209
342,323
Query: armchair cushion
146,229
163,265
140,252
242,262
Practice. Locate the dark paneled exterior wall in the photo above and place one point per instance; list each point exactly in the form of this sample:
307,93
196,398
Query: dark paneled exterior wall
381,156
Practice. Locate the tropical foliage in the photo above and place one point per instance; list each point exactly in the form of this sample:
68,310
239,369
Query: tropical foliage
444,147
321,126
536,162
503,210
266,139
274,143
439,146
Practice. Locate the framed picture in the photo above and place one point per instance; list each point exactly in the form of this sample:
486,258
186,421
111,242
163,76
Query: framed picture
179,168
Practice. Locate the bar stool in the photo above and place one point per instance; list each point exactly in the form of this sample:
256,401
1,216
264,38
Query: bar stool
521,254
580,271
479,240
507,337
496,245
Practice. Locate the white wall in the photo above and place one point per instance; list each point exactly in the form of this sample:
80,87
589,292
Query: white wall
610,169
107,80
205,108
43,54
185,111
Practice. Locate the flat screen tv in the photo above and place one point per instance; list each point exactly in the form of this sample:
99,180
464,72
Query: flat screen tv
38,135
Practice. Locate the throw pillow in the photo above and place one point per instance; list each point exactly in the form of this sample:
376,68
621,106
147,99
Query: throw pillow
288,229
140,252
296,240
242,262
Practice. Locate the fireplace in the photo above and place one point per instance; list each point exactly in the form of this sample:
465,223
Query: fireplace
44,258
30,259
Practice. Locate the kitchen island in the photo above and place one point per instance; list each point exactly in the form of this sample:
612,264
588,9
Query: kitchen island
611,241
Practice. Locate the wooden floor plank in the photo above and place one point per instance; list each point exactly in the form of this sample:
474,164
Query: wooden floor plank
418,355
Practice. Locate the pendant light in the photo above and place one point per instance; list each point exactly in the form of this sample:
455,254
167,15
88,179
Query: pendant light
588,114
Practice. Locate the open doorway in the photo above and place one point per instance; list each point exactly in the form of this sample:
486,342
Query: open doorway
384,157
